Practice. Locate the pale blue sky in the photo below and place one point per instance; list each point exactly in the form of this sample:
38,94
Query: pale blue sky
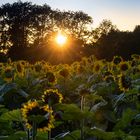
123,13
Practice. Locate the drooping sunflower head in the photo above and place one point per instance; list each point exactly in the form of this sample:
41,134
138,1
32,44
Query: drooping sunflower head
135,57
97,67
42,116
109,78
92,58
124,66
1,65
52,96
23,62
20,68
117,60
64,72
80,69
107,73
8,73
38,67
124,82
84,61
50,77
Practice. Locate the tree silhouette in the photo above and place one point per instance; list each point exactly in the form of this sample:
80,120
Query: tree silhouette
28,31
122,43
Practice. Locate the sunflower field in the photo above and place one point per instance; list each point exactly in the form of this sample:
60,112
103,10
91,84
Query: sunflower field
87,100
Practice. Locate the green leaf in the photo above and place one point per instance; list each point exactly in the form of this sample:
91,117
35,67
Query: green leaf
99,133
12,86
98,106
16,136
75,135
62,135
22,93
14,115
71,112
130,138
119,98
3,109
127,116
42,135
135,132
110,116
7,87
5,127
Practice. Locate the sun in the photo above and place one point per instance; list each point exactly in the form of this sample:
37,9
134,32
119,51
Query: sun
61,39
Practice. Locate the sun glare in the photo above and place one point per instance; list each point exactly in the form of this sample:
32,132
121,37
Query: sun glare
61,39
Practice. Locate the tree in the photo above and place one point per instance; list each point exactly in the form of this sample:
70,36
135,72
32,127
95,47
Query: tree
103,29
30,28
115,42
20,23
74,23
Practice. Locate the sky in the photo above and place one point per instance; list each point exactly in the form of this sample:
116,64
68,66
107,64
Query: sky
125,14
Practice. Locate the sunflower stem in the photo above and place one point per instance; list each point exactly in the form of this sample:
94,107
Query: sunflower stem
28,134
82,121
49,135
49,132
34,131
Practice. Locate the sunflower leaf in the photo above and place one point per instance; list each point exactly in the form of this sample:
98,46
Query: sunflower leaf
14,115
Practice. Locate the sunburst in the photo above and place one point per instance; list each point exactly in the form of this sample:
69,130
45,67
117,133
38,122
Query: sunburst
61,39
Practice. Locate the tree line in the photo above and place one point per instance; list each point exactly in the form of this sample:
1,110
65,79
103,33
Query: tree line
27,32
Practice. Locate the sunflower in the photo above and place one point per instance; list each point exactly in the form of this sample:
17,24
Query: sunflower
117,60
50,77
84,61
135,57
124,82
97,66
80,69
23,62
64,72
20,69
107,73
42,116
8,74
52,96
38,67
1,65
124,66
109,78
